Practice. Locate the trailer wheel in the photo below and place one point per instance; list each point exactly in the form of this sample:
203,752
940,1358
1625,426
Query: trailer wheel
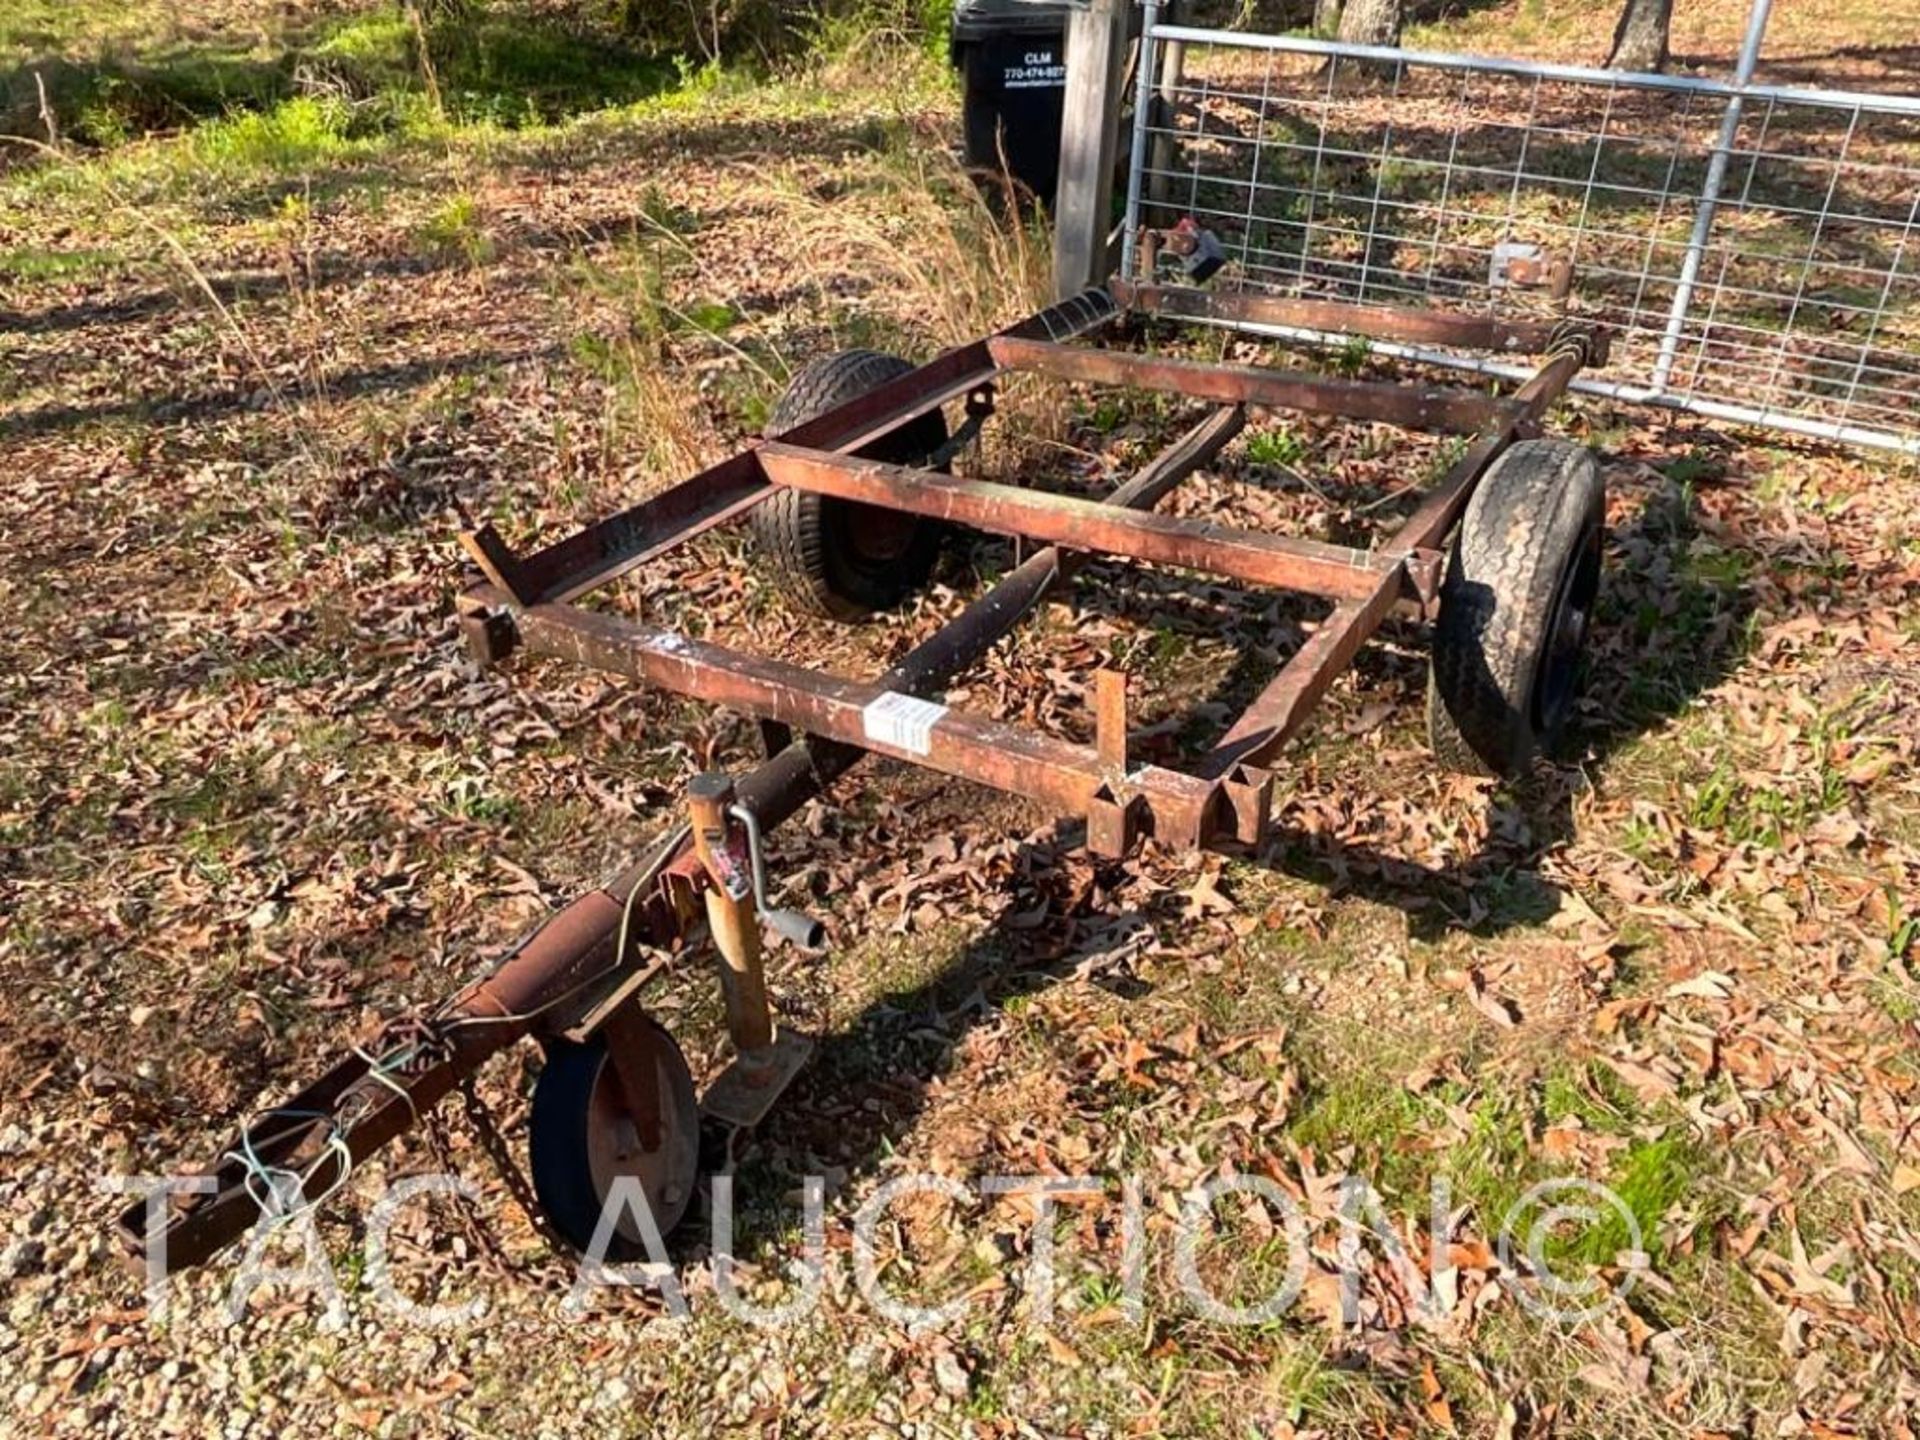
836,558
1519,590
581,1140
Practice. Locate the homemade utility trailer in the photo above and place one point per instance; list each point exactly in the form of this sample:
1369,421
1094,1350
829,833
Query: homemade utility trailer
849,499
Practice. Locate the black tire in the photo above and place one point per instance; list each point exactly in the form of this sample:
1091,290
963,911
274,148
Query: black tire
1520,586
560,1151
840,559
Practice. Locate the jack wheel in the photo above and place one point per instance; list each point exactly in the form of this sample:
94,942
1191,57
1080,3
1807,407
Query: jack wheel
581,1140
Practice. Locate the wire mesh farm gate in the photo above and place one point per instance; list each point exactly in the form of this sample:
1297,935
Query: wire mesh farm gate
1753,247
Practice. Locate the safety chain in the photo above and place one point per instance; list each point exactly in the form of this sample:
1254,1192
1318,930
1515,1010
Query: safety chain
494,1144
412,1044
485,1243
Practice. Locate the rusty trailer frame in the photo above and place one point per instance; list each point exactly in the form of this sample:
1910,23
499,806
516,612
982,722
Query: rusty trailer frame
581,973
526,603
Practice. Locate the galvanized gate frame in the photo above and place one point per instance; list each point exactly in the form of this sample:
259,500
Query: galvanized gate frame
1773,281
583,970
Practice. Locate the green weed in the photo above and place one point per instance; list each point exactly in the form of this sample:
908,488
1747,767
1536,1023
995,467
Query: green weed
293,135
1903,926
1106,415
1590,1093
1280,448
1446,455
1650,1179
503,65
1351,358
1753,814
456,231
472,797
26,263
1696,465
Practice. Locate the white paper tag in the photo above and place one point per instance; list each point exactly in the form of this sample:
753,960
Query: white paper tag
1505,252
902,721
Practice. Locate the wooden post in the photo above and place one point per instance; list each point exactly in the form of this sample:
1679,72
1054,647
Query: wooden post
1089,137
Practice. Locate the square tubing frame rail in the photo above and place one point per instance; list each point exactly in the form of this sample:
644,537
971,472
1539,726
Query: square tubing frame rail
526,602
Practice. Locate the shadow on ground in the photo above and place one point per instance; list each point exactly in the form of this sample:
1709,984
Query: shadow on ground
1667,634
506,64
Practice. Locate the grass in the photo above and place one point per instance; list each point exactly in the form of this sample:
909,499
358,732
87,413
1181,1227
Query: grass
111,73
31,264
1650,1179
293,135
1475,1141
1280,448
328,95
112,80
457,230
505,67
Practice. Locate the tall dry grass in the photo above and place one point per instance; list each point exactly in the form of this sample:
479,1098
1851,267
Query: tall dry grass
900,248
950,258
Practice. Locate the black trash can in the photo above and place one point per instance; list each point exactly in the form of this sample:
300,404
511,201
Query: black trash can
1012,58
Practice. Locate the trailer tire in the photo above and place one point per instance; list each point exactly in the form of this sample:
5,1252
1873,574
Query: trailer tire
840,559
1519,590
571,1150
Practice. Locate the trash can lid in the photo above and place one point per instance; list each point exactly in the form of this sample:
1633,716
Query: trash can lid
981,19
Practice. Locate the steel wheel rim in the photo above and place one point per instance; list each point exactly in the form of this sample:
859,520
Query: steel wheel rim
1566,636
614,1150
876,536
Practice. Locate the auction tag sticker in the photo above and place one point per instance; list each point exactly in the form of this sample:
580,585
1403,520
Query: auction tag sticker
903,721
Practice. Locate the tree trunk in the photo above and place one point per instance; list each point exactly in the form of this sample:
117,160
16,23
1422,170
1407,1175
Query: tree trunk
1371,22
1326,18
1640,39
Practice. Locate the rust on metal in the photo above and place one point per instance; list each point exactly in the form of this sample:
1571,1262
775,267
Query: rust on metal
1415,407
1248,791
1552,273
730,914
571,976
633,1043
611,547
955,743
798,773
1407,324
1424,570
1283,561
1110,719
572,945
1113,823
1278,711
557,976
489,632
1428,525
498,563
528,990
746,1089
